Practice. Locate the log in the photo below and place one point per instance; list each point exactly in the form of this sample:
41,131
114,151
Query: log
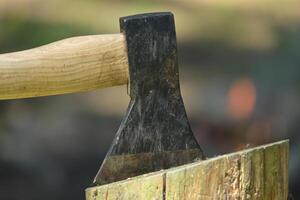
259,173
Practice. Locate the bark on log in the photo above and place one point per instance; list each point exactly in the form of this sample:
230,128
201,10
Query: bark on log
259,173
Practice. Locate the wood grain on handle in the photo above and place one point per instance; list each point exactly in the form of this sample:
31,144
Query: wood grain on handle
70,65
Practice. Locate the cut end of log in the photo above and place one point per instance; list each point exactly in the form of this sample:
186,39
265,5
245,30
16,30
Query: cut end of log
259,173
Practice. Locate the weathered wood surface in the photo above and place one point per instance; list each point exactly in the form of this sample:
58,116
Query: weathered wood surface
259,173
71,65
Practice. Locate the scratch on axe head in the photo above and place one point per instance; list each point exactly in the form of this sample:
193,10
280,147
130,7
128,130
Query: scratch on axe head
155,133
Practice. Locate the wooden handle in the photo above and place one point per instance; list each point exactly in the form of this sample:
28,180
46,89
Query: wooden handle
70,65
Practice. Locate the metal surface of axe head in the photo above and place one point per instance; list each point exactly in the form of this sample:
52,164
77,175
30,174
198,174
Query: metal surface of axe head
155,133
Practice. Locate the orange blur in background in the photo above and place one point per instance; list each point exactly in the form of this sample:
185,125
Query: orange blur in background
241,99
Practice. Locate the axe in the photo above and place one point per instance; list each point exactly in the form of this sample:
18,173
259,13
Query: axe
155,133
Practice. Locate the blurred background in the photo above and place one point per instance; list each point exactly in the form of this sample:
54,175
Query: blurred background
240,78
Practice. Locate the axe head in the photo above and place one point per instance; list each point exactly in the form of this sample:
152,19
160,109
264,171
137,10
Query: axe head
155,133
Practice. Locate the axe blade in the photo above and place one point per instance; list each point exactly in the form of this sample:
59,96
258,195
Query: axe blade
155,133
